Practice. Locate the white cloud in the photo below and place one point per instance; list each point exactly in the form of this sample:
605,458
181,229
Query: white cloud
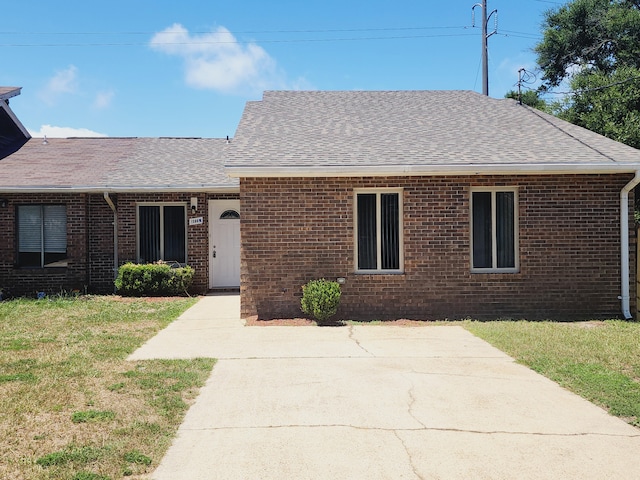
51,131
63,82
218,62
103,99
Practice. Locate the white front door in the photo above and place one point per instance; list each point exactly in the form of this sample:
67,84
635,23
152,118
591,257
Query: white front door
224,243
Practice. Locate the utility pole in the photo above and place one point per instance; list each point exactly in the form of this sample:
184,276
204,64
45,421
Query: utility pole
485,38
520,72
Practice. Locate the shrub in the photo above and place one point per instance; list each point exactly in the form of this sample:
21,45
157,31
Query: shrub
153,279
320,299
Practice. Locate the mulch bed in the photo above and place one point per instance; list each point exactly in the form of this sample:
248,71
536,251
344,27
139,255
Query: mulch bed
305,322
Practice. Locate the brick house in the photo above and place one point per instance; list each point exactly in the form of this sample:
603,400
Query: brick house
431,205
72,210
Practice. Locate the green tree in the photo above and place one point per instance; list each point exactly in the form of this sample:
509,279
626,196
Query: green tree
589,35
594,47
606,103
530,98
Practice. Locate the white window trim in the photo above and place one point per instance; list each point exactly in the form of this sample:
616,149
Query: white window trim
516,226
379,191
162,204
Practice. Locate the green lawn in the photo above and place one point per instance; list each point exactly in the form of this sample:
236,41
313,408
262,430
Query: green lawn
71,406
597,360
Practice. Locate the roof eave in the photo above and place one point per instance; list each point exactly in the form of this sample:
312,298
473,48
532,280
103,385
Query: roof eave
10,92
121,189
432,170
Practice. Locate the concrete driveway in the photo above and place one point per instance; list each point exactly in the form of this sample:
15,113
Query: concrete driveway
376,402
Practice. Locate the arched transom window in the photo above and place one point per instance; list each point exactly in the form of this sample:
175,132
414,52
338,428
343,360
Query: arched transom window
229,215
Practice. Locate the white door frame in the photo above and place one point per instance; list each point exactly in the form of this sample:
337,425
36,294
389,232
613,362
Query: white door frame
225,273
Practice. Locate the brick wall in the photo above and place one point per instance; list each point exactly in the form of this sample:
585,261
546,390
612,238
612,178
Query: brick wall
28,281
297,229
197,235
90,241
100,234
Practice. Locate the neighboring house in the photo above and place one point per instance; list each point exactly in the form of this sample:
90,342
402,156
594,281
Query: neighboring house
72,210
431,205
12,133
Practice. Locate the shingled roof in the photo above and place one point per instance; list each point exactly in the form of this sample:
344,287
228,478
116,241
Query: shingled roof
303,133
117,164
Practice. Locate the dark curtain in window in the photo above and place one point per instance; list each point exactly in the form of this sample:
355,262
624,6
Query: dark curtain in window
482,246
174,234
367,245
389,205
505,229
149,222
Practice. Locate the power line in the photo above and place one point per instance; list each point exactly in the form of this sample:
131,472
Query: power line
507,33
594,89
333,30
511,33
239,42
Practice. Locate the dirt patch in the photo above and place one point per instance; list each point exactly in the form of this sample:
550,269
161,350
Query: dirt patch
119,298
305,322
279,322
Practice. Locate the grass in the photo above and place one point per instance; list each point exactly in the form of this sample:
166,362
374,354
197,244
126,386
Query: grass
71,406
598,360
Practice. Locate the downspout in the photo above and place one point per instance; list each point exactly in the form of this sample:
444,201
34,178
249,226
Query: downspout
115,234
624,245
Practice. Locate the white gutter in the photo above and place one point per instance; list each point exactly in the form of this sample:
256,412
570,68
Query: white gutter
430,170
624,245
115,234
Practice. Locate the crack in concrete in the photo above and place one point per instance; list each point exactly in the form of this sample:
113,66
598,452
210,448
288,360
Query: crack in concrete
409,456
354,339
412,401
417,429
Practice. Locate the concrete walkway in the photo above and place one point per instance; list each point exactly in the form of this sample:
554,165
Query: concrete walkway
376,402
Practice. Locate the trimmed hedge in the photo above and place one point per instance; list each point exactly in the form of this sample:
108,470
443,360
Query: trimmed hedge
153,280
320,299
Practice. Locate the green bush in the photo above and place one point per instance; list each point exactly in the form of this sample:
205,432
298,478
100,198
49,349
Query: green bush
320,299
153,279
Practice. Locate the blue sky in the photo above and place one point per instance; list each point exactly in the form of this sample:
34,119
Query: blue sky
185,69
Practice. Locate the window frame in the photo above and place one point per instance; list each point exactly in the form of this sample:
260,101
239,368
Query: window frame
379,192
61,263
161,206
494,247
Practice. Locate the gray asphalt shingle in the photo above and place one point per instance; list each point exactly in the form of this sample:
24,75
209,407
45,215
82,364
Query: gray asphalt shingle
117,163
298,129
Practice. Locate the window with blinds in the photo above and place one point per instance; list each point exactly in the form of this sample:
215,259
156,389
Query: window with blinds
378,226
494,236
42,235
162,233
